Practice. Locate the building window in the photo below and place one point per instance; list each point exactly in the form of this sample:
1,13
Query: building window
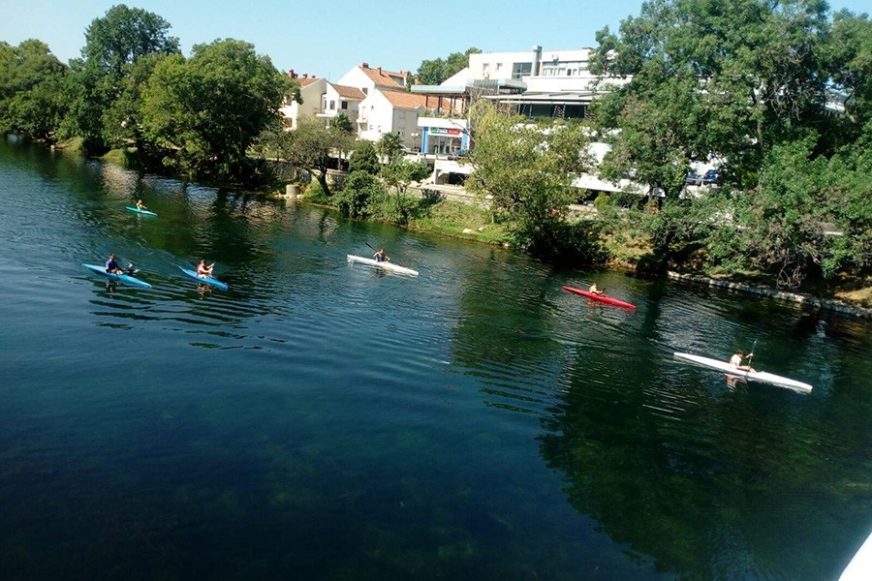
499,66
365,91
344,105
332,104
521,70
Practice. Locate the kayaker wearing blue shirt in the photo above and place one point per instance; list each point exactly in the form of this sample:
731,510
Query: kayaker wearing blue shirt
380,256
112,265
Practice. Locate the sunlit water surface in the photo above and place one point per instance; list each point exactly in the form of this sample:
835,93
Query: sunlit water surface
322,420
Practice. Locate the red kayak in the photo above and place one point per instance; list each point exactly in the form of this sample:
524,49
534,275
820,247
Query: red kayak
596,297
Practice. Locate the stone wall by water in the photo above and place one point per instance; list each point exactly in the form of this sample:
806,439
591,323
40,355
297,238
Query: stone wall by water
759,290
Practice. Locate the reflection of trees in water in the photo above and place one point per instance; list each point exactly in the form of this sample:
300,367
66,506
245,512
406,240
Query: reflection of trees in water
739,483
505,329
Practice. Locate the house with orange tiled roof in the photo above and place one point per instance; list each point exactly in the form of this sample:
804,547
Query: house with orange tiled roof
367,78
321,99
391,111
311,89
340,99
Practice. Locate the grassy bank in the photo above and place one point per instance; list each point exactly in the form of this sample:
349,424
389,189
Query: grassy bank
443,217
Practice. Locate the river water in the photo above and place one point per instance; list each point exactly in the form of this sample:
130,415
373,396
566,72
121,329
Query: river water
322,420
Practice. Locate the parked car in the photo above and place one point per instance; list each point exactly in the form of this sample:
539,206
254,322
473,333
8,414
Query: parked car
712,177
693,179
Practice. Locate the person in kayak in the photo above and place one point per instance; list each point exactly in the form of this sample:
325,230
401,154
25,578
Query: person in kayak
112,265
738,357
594,289
204,269
140,205
380,256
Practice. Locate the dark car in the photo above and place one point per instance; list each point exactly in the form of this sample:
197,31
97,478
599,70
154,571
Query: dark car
712,177
692,178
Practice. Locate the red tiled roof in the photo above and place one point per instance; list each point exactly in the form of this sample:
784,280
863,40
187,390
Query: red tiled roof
306,81
383,78
403,100
348,92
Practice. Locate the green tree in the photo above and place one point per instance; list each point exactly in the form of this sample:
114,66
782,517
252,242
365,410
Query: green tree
122,120
123,35
343,123
528,168
435,71
365,159
399,175
727,80
849,57
390,146
113,44
32,82
360,196
311,146
210,108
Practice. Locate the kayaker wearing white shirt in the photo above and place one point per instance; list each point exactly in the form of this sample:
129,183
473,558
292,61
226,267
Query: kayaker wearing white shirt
594,289
736,361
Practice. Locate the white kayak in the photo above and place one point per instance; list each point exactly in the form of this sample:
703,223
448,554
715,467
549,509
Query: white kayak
760,376
384,264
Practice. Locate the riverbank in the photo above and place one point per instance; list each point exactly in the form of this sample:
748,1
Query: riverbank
457,219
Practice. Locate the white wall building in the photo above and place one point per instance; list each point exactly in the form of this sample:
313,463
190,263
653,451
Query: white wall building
311,89
384,111
366,78
322,99
340,99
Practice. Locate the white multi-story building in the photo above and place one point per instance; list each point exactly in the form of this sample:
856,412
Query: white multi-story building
367,78
386,111
322,99
311,89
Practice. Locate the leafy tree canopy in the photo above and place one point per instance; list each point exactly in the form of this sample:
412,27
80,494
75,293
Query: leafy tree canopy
528,169
210,108
125,34
32,82
390,146
435,71
365,159
728,80
310,146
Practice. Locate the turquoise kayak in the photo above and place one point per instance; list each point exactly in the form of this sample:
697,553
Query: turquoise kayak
138,211
205,279
125,278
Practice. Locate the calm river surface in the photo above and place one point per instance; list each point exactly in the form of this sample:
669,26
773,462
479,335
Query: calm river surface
325,421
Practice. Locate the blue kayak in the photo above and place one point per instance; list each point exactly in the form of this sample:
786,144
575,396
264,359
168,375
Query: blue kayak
125,278
136,210
205,279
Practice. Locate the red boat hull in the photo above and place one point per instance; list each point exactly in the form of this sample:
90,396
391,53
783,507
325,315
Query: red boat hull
600,298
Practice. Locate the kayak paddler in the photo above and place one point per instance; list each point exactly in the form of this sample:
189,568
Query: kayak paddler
380,256
204,269
140,205
738,357
112,266
595,289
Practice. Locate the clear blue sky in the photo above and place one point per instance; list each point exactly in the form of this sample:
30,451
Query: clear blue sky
326,38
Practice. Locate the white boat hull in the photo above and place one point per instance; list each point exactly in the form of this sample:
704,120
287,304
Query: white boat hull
760,376
385,265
